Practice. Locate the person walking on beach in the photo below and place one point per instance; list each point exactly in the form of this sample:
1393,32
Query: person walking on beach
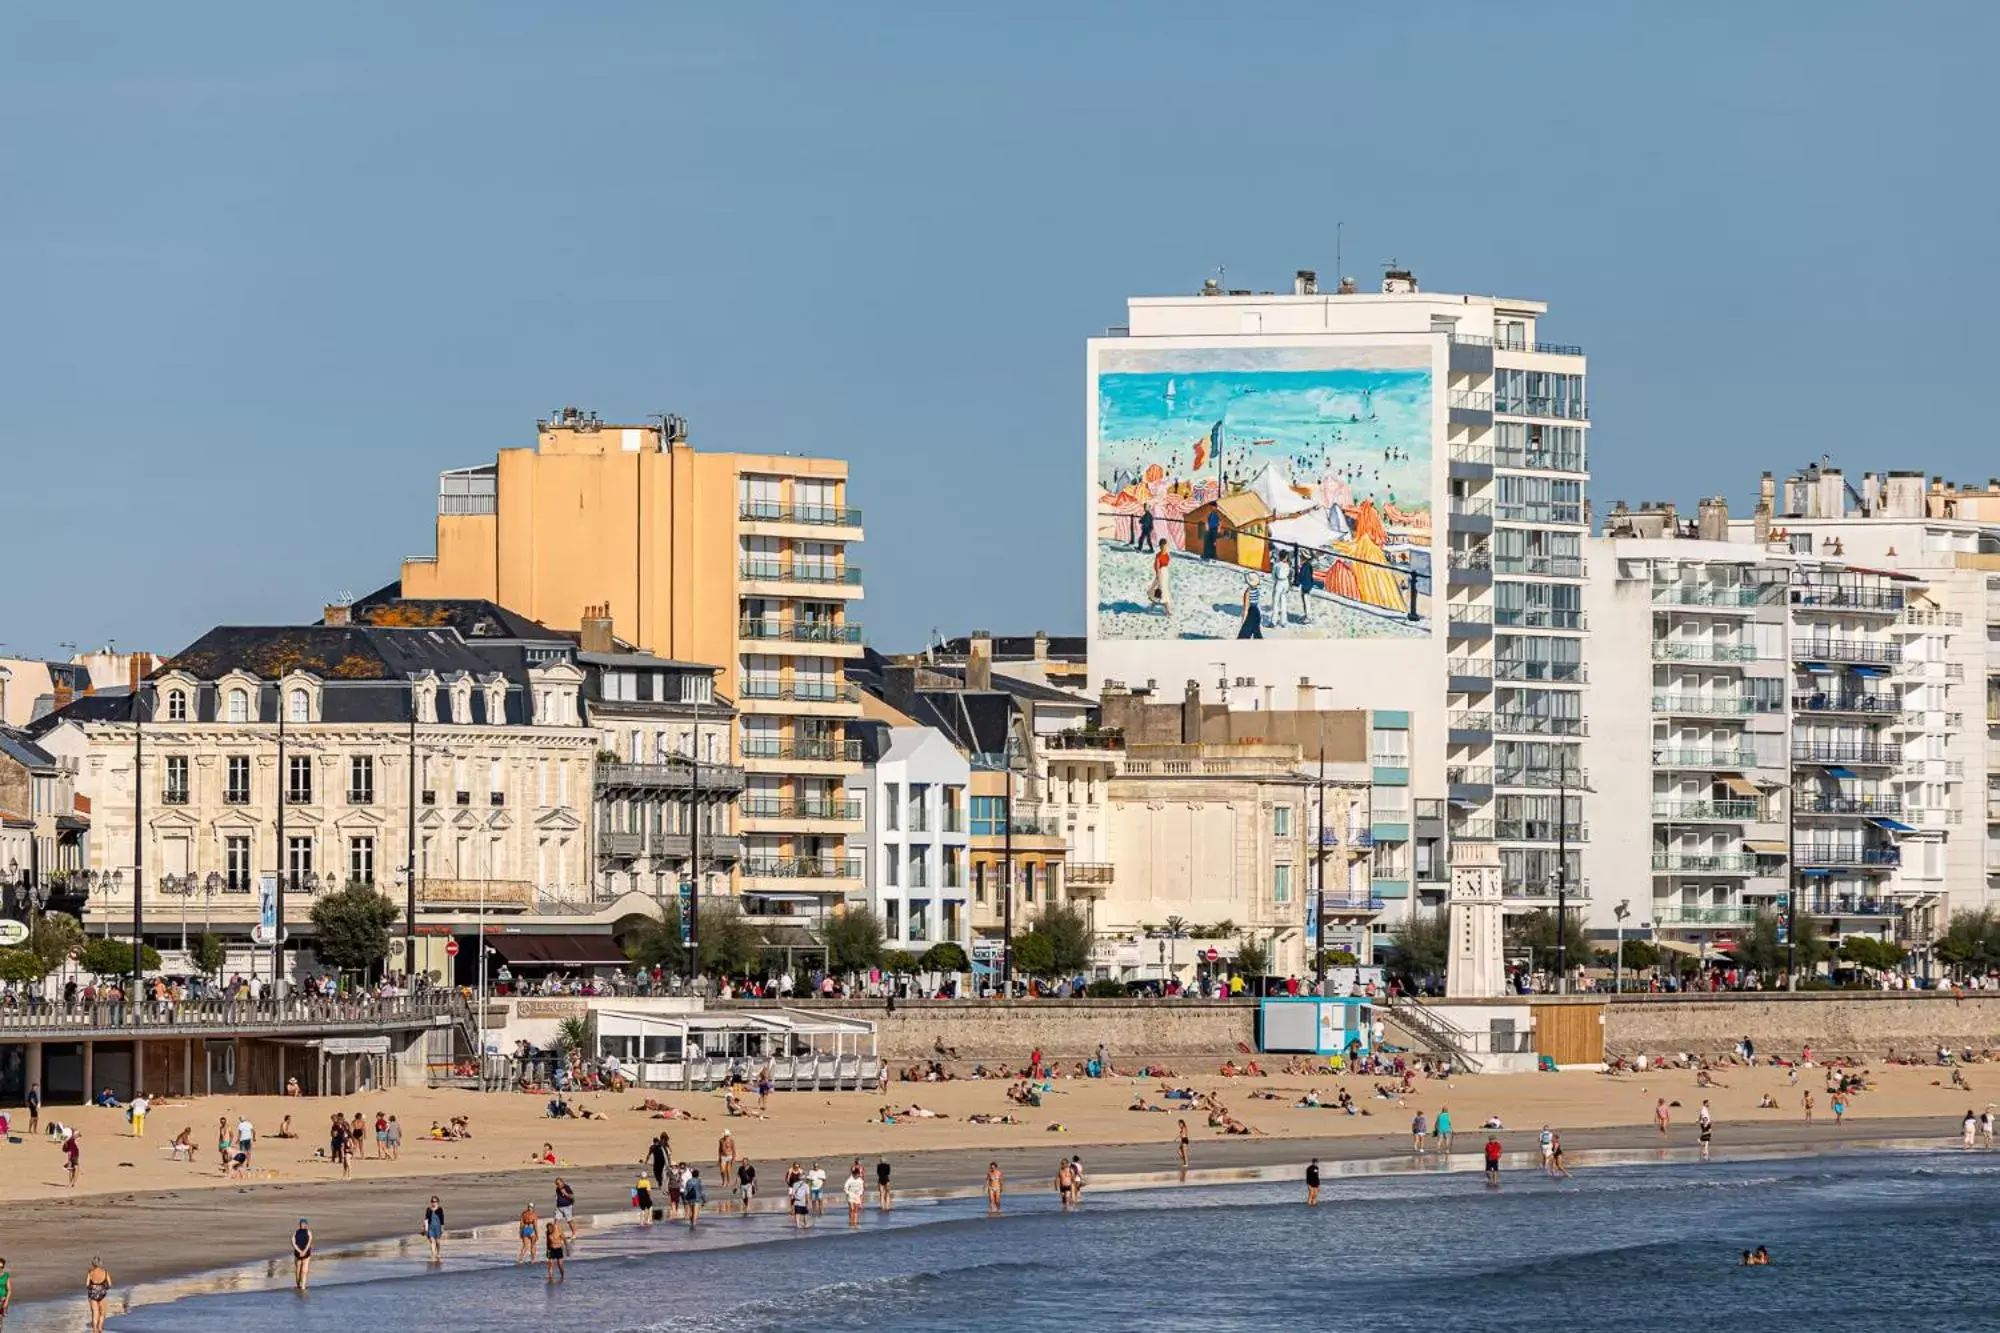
884,1196
246,1139
1971,1136
34,1108
552,1251
1417,1133
693,1197
96,1287
1661,1116
1492,1162
1986,1127
725,1157
1184,1143
225,1142
1809,1105
801,1204
746,1183
1556,1157
856,1189
527,1232
656,1160
302,1255
139,1108
1548,1146
993,1187
1312,1183
434,1229
642,1199
1062,1182
816,1179
566,1209
72,1152
1705,1127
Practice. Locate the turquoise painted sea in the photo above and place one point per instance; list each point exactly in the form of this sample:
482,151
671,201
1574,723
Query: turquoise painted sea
1907,1240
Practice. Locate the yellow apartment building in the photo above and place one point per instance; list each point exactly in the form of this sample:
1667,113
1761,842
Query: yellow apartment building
732,559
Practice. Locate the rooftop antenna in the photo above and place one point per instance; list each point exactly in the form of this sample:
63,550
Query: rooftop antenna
1338,271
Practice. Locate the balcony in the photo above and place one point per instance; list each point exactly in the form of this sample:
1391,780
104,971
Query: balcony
1089,874
1083,739
1469,675
801,691
1516,345
1541,405
1836,907
793,571
1701,756
1469,725
753,807
808,751
1472,830
622,845
1331,839
1708,812
1469,781
823,516
1684,650
1542,566
1533,724
1846,752
1867,858
1540,617
674,775
1539,672
1708,705
1865,703
1469,400
1701,594
1471,566
1576,512
1546,779
174,796
799,631
1539,459
802,867
1704,863
1676,914
1540,830
1542,890
1346,905
1846,650
1473,462
1844,597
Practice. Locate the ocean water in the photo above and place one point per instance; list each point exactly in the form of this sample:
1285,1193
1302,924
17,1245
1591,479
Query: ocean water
1905,1240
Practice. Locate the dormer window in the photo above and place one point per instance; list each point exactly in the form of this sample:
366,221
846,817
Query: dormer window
177,706
239,706
298,706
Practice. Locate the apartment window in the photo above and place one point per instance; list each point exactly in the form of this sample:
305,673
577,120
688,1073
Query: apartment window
892,805
361,860
920,866
954,868
298,707
1028,882
920,922
298,859
177,705
920,795
361,779
892,865
978,882
892,925
989,816
1391,749
236,863
298,779
236,783
1281,883
239,705
177,779
1281,821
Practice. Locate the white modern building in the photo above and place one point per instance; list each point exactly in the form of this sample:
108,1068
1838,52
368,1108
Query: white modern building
911,798
1381,490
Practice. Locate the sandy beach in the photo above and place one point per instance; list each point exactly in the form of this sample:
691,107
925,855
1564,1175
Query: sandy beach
126,1184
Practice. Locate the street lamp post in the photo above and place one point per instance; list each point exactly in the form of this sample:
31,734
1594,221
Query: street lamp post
138,834
1621,911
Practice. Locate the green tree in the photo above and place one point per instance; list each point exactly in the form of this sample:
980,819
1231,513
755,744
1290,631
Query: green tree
113,958
1068,933
209,954
1764,950
1034,955
1865,951
1253,959
1536,932
21,966
896,962
351,927
946,956
56,935
729,944
1422,945
657,943
1971,941
853,940
1335,958
573,1034
1641,955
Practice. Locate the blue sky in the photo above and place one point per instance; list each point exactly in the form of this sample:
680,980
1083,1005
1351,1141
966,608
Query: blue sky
266,269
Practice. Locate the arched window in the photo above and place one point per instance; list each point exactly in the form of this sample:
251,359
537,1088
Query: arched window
295,707
177,705
239,705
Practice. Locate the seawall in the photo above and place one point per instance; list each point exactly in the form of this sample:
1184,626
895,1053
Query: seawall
1865,1024
1063,1029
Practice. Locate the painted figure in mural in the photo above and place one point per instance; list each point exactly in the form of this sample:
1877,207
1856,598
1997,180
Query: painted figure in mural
1281,580
1209,533
1253,614
1158,592
1145,542
1304,576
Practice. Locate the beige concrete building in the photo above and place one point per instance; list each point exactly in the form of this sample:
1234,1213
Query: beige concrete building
734,559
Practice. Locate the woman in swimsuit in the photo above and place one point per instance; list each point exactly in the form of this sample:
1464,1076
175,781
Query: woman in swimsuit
554,1242
527,1255
96,1286
993,1184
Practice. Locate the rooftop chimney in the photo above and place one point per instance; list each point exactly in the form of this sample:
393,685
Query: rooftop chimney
979,660
1346,287
1399,281
1903,495
1191,713
1712,519
338,613
1305,283
596,635
1041,645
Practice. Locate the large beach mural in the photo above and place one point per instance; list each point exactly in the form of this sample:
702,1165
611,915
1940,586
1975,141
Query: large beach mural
1263,493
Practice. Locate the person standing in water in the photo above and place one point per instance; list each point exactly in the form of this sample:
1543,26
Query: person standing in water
1184,1143
434,1229
856,1190
528,1222
993,1187
553,1250
692,1197
96,1287
1312,1183
1704,1122
302,1255
1492,1162
885,1196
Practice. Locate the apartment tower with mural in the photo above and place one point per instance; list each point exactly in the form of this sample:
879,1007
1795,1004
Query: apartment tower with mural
734,559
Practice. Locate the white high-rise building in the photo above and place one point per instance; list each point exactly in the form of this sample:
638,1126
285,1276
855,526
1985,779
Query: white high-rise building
1384,491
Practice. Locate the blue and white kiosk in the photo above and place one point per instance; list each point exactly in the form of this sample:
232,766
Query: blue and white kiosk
1316,1025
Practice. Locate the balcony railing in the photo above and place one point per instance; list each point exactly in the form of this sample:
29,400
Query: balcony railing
1472,830
1516,345
1820,854
1473,506
793,571
802,867
1822,702
1542,566
1681,650
1468,400
1541,405
1845,752
800,631
1552,673
674,775
774,511
1540,459
174,796
753,807
1701,756
1844,597
1332,838
1846,650
816,751
1702,594
1866,806
1533,724
1470,719
1852,907
1675,914
1475,668
802,691
1540,617
1470,557
1543,511
1704,863
1469,775
1478,619
1540,830
1475,454
1551,779
1710,705
1708,812
1089,874
1083,739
